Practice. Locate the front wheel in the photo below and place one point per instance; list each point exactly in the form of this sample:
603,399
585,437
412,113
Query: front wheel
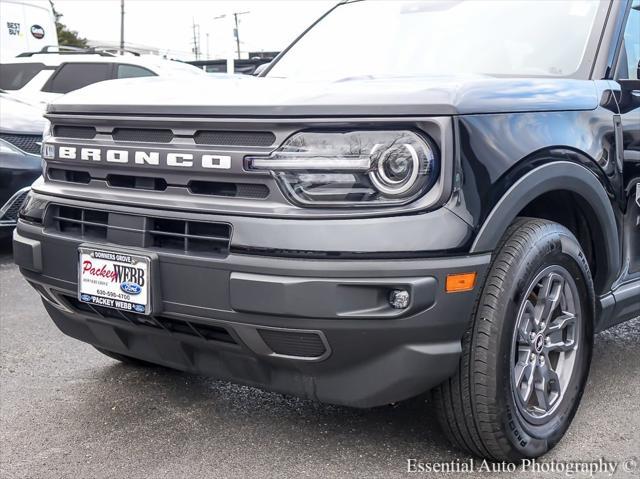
527,351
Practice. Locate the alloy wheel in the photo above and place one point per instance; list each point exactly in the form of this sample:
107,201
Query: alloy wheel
545,343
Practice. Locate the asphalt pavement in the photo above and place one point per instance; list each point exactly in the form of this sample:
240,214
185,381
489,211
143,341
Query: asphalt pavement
68,411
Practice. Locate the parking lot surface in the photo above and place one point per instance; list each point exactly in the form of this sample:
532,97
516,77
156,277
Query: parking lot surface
68,411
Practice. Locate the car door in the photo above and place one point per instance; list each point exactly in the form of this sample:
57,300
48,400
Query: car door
627,75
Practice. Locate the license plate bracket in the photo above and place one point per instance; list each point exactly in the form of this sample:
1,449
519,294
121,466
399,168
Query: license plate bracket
115,279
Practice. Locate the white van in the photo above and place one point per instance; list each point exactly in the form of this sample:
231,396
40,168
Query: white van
25,27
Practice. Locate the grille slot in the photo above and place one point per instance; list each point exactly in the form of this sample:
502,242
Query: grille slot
293,343
137,182
83,223
233,190
166,234
190,236
68,131
176,326
142,135
70,176
26,143
170,325
234,138
213,333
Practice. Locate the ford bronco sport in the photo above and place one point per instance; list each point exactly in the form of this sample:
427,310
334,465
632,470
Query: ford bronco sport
444,196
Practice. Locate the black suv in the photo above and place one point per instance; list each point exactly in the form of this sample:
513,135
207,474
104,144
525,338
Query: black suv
412,196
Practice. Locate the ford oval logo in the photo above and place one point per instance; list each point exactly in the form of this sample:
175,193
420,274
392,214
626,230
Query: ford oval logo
130,288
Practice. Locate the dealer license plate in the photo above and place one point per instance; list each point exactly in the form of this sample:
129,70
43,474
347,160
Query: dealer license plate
114,280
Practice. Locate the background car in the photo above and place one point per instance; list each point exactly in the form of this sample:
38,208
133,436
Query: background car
21,128
39,77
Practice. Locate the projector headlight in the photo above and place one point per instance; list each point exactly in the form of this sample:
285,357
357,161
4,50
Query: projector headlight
355,168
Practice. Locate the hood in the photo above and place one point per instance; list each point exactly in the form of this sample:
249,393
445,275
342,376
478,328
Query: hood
280,97
20,117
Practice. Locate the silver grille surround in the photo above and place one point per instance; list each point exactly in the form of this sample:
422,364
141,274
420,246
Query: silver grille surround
177,196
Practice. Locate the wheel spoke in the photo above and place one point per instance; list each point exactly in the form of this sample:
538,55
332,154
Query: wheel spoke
525,381
562,322
561,346
547,387
561,335
526,324
549,296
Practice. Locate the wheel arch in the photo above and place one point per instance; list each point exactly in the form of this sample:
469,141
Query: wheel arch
591,200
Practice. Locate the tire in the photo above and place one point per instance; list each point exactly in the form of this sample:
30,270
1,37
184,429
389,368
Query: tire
489,407
125,359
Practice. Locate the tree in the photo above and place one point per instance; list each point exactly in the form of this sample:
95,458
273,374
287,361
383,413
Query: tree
65,36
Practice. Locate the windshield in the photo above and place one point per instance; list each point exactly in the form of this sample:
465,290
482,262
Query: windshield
14,76
490,37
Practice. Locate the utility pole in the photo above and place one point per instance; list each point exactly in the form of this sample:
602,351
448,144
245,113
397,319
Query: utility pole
208,57
196,39
230,64
236,30
121,27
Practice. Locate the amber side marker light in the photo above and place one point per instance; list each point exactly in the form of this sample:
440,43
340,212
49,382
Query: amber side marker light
459,282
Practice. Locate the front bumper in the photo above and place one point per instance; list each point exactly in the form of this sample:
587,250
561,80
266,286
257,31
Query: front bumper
320,329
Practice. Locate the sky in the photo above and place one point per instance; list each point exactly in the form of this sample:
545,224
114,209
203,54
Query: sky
167,24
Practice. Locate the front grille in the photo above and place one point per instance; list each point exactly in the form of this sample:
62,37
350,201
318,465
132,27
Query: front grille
234,190
167,135
227,189
143,135
206,332
163,234
26,143
9,212
137,182
292,343
70,176
234,138
80,132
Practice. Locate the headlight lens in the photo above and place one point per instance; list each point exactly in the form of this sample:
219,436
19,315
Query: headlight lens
32,208
47,130
354,168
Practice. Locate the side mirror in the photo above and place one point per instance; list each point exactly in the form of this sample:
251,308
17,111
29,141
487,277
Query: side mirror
260,69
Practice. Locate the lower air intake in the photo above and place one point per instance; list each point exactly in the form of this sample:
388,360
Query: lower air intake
294,343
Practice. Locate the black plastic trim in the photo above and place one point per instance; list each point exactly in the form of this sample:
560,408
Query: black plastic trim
558,176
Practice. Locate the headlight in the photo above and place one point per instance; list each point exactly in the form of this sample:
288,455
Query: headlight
32,208
47,130
355,168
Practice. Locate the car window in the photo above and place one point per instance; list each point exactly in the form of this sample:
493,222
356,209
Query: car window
72,76
632,43
133,71
14,76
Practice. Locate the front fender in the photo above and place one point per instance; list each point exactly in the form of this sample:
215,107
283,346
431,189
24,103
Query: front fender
558,176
